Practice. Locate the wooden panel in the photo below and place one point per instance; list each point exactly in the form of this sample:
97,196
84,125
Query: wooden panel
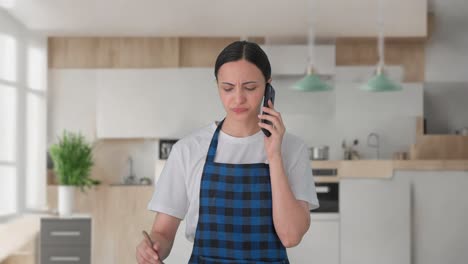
113,52
202,52
440,147
138,52
385,168
258,40
437,165
119,215
72,52
363,51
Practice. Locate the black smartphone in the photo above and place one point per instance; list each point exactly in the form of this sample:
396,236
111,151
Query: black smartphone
269,95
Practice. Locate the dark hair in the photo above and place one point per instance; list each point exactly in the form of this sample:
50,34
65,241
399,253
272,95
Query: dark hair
249,51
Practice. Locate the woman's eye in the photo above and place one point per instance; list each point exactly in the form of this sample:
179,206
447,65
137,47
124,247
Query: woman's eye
250,88
227,89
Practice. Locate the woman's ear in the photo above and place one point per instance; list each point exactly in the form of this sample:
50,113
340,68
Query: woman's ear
269,81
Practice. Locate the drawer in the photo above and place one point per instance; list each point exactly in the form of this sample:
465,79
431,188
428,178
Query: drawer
65,232
66,255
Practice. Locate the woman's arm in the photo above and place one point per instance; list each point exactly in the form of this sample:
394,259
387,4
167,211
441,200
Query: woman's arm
162,235
163,231
291,217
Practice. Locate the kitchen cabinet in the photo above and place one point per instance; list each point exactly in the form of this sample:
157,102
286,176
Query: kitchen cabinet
65,240
375,221
155,103
321,242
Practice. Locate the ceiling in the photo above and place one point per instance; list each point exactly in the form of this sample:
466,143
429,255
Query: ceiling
216,17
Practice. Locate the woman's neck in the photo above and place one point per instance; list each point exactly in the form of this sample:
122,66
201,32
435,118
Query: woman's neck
240,128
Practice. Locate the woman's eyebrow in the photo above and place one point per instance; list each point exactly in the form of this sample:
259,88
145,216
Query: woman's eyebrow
242,83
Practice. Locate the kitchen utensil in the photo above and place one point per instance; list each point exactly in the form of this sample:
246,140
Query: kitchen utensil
464,131
400,155
319,153
350,153
374,142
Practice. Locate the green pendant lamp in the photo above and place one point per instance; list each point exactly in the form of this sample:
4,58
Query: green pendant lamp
380,82
312,81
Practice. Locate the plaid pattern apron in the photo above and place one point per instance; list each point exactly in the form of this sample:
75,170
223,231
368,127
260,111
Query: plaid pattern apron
235,222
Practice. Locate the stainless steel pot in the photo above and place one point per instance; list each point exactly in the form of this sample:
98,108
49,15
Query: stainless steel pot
319,153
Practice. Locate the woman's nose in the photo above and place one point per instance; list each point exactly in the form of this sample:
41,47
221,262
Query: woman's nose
240,96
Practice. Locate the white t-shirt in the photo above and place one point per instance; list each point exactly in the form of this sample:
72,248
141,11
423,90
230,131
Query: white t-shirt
178,187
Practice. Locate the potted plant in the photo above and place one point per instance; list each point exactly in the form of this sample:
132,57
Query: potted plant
73,160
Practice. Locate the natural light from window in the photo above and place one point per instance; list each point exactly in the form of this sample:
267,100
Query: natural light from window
35,150
36,69
7,124
8,58
7,4
8,190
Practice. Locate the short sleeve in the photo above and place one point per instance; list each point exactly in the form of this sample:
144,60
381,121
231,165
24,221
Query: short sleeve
301,179
170,194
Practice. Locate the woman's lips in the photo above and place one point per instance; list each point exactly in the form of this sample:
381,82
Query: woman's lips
239,110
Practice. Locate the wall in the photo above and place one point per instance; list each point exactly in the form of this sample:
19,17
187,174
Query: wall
447,49
446,64
445,107
318,118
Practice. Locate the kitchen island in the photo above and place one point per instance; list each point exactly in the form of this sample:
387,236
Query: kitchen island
402,211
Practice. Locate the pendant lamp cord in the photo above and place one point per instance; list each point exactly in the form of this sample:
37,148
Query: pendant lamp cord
311,33
381,33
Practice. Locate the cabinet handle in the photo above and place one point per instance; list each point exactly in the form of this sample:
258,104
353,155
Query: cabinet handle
65,233
322,189
60,258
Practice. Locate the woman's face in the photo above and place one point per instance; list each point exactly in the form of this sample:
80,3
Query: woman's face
241,86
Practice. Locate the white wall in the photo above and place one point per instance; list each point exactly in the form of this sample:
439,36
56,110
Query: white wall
348,113
447,49
318,118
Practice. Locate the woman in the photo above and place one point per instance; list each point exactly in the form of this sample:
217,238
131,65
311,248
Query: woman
245,197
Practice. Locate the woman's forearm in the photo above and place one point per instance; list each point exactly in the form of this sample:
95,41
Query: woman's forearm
164,243
290,216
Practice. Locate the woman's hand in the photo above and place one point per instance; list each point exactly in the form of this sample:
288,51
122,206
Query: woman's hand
145,254
277,130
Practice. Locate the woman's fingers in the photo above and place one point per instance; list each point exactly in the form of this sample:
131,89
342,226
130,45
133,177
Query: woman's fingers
146,254
268,127
274,120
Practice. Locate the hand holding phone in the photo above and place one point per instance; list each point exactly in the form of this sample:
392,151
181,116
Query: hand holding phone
269,95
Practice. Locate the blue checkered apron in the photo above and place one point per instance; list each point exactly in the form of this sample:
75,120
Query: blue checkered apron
235,222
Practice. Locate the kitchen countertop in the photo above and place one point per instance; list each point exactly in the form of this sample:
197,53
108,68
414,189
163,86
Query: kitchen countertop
384,168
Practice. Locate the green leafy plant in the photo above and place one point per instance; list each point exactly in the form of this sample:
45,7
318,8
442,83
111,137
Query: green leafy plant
73,159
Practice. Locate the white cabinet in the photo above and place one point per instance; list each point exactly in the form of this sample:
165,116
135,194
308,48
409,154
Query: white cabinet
321,243
155,102
375,221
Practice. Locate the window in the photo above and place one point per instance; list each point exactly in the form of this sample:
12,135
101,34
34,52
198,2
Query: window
23,94
8,126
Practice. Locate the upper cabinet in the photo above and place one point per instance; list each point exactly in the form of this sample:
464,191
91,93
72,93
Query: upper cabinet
155,102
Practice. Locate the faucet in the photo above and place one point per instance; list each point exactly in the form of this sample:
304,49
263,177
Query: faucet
375,144
130,179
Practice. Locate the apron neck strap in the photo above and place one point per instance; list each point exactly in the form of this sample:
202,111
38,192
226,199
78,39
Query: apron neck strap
214,143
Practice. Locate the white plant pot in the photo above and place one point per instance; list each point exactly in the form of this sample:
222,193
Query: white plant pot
66,199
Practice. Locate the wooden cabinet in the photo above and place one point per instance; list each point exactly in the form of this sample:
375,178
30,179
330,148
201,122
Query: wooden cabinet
65,240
